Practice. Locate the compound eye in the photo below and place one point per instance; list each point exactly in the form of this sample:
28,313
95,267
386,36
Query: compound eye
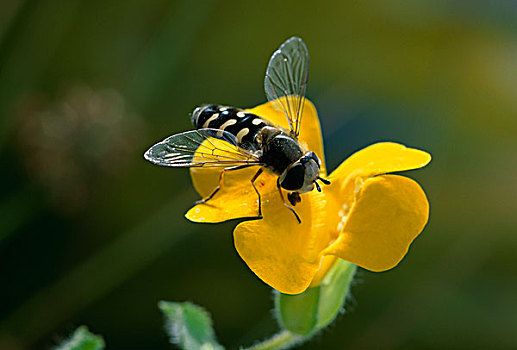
313,155
294,178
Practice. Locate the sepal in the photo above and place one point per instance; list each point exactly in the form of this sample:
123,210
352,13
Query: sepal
317,307
335,287
298,313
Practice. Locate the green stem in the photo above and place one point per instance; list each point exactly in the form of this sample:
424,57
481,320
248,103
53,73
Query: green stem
282,340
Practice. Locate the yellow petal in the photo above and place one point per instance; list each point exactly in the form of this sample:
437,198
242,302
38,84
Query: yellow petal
347,179
388,214
279,250
205,179
310,133
381,158
327,263
236,199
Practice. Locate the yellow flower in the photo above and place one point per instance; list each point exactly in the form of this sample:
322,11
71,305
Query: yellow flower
364,216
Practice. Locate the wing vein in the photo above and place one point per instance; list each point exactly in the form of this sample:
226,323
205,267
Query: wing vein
286,81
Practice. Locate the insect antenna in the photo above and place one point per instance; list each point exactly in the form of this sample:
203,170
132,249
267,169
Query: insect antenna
325,181
317,186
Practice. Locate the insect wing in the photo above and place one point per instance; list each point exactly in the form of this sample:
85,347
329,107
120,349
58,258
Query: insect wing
286,80
200,148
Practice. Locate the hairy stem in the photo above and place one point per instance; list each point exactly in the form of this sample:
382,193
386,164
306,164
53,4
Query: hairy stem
282,340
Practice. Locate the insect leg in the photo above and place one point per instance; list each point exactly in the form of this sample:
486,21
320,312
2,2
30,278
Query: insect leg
258,193
287,205
221,177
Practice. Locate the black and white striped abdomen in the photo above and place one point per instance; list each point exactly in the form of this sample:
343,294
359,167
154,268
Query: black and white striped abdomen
243,125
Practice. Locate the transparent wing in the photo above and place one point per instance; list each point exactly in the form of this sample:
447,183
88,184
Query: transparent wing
200,148
286,80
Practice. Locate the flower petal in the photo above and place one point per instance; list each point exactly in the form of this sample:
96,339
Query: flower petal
347,179
310,134
236,199
388,214
381,158
279,250
205,180
327,264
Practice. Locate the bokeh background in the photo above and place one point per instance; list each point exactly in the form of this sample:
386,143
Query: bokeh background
92,234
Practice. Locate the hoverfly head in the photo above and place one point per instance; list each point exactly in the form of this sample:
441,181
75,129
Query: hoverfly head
301,175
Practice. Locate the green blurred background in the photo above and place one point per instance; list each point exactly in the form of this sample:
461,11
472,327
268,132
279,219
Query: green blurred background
92,234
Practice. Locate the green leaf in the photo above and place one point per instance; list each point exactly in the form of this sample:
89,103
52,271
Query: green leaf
334,289
298,313
82,339
189,326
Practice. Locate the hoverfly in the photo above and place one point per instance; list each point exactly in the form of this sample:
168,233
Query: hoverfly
250,140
